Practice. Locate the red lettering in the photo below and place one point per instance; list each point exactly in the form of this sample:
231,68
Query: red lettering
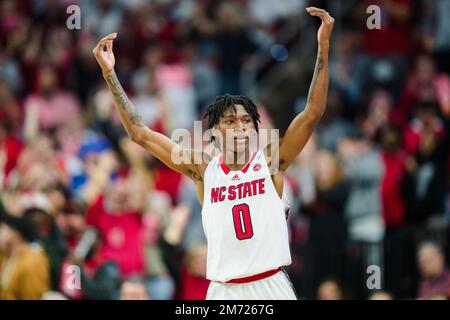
232,193
218,194
261,186
254,182
247,191
222,193
239,186
242,190
214,194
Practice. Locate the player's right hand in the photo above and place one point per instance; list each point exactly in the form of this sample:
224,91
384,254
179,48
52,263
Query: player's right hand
105,58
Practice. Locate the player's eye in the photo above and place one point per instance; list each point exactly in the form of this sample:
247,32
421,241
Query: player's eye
229,121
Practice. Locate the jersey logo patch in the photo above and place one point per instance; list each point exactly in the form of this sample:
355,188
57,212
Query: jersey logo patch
257,167
235,178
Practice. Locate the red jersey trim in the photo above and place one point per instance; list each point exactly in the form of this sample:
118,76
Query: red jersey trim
244,169
226,170
255,277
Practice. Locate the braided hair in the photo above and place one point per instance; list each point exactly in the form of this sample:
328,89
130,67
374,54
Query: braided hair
216,110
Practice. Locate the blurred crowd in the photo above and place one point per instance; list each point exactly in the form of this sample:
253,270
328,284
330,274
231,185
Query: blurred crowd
87,214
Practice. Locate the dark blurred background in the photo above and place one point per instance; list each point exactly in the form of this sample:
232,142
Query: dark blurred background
371,188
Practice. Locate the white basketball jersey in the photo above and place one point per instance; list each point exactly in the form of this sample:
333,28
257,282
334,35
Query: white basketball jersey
244,220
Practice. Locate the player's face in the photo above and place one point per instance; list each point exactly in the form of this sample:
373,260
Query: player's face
236,126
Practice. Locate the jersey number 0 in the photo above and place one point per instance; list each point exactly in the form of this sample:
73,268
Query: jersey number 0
242,221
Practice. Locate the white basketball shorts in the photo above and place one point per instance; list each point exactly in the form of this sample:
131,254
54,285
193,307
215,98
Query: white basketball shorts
275,287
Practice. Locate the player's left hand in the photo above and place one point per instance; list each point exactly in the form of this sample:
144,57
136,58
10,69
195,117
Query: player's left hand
324,33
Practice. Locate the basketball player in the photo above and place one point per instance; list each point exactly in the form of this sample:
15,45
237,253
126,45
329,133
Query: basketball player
243,212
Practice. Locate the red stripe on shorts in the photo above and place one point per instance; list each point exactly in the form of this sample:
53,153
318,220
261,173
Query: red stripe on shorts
255,277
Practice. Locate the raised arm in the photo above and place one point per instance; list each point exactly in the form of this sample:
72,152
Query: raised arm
303,125
157,144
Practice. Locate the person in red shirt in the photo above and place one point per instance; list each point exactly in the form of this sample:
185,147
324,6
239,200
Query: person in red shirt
98,278
391,190
11,148
118,216
394,37
194,283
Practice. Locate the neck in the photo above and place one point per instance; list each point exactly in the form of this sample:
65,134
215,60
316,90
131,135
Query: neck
235,160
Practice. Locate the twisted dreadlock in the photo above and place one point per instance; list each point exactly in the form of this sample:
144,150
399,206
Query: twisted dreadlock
216,110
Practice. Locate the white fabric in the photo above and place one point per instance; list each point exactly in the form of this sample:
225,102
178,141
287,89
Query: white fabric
275,287
268,247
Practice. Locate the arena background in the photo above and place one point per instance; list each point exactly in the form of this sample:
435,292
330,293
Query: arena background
369,188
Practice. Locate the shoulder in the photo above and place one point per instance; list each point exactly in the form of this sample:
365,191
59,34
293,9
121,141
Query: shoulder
202,159
34,255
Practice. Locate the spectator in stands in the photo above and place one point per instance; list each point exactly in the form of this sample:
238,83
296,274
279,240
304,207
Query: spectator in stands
117,214
100,279
418,88
152,105
426,172
100,165
71,222
194,283
394,36
37,209
436,31
232,40
102,17
391,187
194,230
398,248
425,121
157,213
333,126
363,170
134,289
11,147
380,295
331,289
54,106
24,266
328,228
435,277
11,111
348,68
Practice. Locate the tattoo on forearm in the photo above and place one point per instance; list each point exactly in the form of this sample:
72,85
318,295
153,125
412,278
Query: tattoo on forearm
317,69
122,100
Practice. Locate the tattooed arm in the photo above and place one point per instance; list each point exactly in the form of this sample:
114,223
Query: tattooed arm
157,144
303,125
